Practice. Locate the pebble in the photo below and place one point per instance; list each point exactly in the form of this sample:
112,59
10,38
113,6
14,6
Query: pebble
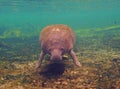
64,83
2,78
34,81
58,83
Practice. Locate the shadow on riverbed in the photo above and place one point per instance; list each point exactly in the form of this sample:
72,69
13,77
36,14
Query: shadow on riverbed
53,69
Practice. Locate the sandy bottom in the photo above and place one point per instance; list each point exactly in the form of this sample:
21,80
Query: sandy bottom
100,70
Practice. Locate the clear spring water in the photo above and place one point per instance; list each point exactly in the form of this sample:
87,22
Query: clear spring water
96,22
75,13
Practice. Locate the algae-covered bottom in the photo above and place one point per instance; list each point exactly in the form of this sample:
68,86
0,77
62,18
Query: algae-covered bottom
100,70
98,51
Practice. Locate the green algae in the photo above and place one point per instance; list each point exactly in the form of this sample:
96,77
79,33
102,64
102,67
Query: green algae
97,51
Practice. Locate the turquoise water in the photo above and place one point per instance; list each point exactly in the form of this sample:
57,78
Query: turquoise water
95,22
89,18
75,13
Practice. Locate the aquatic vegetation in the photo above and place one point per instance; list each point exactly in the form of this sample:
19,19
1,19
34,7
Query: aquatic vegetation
26,31
99,38
97,51
113,27
95,76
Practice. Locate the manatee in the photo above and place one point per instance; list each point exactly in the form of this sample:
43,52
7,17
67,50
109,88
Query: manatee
57,40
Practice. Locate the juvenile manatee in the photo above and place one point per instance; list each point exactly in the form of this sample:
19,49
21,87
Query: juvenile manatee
57,40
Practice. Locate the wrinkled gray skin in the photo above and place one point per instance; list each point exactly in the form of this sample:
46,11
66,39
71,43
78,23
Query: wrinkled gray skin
57,40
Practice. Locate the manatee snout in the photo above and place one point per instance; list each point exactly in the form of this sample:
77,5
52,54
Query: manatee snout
56,55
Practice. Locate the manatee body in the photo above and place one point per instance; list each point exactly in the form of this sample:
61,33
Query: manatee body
57,40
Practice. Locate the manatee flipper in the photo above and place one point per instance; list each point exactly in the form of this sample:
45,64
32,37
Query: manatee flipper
75,60
42,54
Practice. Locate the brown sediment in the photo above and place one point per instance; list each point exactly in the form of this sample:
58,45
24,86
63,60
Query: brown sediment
99,71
